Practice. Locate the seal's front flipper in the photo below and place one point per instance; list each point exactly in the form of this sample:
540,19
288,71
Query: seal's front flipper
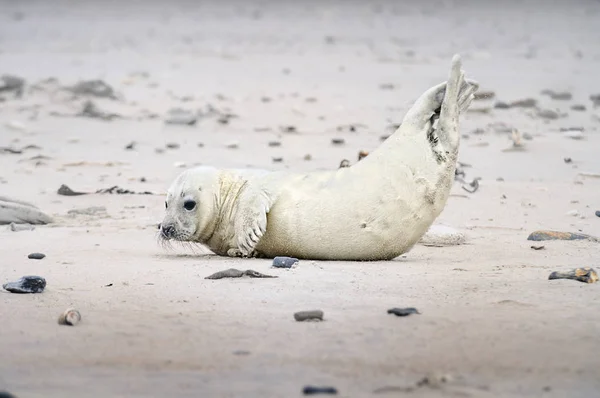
251,220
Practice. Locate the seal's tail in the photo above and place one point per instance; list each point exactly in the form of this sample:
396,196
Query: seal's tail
457,97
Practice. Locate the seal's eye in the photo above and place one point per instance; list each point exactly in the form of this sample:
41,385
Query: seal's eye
166,205
189,205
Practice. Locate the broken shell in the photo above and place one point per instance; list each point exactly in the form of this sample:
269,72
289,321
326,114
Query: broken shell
586,275
70,317
362,155
344,163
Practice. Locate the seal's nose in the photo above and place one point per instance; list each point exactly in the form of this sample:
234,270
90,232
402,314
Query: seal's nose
167,231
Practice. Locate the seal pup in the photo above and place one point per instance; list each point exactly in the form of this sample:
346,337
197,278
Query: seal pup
376,209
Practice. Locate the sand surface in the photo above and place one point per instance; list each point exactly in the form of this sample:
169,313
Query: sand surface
153,326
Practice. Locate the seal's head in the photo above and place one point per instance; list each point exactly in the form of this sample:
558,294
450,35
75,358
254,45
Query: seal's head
191,206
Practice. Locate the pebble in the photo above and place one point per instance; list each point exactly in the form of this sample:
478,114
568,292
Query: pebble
362,154
20,227
548,114
95,88
586,275
403,311
274,143
70,317
442,235
314,315
181,117
578,107
36,256
344,163
501,105
524,103
27,284
484,95
337,141
232,145
6,394
568,160
313,390
543,235
561,95
285,262
307,157
172,145
597,213
277,159
130,146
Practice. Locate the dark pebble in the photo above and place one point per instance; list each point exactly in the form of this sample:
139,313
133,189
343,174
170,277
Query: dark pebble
403,311
337,141
578,107
36,256
313,390
27,284
308,315
284,262
501,105
597,213
568,160
6,394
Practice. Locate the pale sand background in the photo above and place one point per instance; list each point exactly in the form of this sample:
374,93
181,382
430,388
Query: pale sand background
489,315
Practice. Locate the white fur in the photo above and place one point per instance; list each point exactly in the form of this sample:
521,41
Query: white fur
376,209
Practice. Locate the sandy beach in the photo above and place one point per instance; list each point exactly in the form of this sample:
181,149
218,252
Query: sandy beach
251,73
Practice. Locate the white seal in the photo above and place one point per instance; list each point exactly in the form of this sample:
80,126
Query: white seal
376,209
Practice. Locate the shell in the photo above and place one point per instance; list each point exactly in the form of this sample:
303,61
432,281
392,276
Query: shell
70,317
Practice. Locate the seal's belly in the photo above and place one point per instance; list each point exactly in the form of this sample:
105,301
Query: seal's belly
377,230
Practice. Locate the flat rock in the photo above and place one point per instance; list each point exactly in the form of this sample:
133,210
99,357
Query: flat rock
236,273
313,315
27,284
36,256
403,311
543,235
442,235
284,262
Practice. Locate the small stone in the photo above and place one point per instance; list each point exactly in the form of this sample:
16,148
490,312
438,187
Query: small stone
94,88
200,145
288,129
307,157
568,160
277,159
484,95
337,141
501,105
559,96
172,145
274,144
386,86
313,390
232,145
20,227
578,108
586,275
403,311
597,213
159,150
362,155
181,116
284,262
315,315
130,146
344,163
27,284
36,256
543,235
70,317
524,103
548,114
6,394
